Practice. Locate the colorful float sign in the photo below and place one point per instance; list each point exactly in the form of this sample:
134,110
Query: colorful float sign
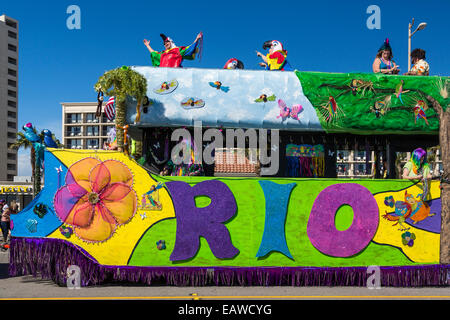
96,214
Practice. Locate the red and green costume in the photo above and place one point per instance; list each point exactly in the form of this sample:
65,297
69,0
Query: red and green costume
173,57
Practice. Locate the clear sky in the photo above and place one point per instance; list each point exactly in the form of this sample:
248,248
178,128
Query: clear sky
57,64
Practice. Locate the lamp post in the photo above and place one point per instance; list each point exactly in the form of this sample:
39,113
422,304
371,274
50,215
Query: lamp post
421,26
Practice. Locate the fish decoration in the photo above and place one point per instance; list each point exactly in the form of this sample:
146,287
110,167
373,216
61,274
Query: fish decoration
218,85
192,103
265,98
286,112
166,87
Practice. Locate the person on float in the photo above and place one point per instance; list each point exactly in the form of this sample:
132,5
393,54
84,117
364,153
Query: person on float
173,56
383,62
420,67
417,168
276,58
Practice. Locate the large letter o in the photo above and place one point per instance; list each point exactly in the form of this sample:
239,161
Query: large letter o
322,230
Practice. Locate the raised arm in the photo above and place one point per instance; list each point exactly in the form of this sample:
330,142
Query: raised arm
147,44
259,54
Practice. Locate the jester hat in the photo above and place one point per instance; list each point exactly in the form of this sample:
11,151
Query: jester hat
165,39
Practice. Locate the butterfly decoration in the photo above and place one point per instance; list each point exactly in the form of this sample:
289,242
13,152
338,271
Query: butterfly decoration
40,210
161,244
218,85
143,215
166,87
192,103
265,98
66,231
286,112
419,111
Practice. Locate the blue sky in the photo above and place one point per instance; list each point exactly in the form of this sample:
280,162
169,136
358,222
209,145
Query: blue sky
61,65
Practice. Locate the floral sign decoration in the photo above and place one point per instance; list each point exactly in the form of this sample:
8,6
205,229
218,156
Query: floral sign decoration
97,198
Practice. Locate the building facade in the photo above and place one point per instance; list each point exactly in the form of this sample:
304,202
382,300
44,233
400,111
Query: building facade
81,129
9,70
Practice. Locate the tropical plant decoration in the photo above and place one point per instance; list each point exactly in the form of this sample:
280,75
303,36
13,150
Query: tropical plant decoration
122,82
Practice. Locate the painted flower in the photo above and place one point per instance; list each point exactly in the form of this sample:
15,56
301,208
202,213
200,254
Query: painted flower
161,244
97,198
408,238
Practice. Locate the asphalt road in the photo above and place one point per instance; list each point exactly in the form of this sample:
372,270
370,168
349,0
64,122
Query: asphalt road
28,287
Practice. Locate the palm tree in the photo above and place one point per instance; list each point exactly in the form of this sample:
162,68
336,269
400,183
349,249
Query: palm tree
120,83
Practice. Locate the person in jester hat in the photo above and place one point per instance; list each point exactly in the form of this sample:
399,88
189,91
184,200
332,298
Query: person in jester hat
383,62
276,58
173,56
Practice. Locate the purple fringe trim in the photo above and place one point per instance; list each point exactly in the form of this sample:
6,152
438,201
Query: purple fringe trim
50,258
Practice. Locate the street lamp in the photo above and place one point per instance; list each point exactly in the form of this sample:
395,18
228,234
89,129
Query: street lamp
421,26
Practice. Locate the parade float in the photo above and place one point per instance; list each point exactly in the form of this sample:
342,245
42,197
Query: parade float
107,213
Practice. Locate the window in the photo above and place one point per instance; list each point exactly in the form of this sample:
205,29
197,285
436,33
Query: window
92,143
12,135
74,131
12,93
12,61
12,34
12,72
12,83
74,118
12,104
12,156
12,47
92,131
106,129
75,144
90,117
11,166
12,114
10,177
12,125
11,23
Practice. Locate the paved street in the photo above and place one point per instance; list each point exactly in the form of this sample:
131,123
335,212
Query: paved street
28,287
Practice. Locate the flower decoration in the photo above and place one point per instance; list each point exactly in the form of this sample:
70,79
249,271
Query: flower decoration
97,198
66,231
389,201
161,244
408,238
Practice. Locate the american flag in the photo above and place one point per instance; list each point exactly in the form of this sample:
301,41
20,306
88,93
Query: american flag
110,109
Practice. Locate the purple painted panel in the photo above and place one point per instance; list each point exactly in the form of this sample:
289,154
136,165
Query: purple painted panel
321,227
193,222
